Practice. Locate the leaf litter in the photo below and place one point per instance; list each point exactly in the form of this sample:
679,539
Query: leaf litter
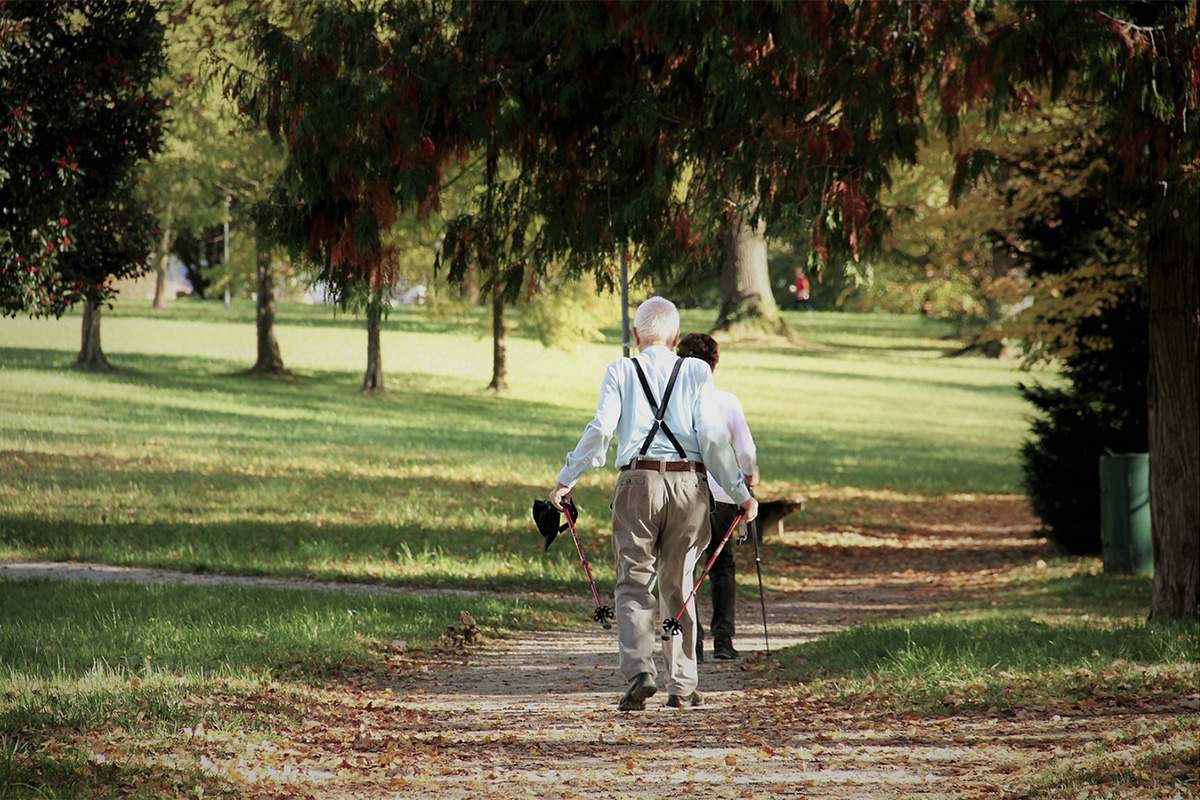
536,716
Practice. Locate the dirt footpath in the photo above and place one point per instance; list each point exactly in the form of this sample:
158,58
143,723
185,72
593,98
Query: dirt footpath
537,717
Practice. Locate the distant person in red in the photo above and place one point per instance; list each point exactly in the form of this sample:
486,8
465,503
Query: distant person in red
803,289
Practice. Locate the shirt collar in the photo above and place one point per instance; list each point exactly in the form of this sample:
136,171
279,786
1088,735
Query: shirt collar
655,351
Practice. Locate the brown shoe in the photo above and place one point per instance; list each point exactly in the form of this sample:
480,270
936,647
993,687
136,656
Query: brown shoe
685,701
641,687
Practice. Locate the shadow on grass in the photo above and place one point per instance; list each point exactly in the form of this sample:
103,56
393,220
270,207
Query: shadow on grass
65,774
472,557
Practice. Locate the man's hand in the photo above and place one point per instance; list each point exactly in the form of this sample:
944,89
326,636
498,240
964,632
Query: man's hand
751,509
561,493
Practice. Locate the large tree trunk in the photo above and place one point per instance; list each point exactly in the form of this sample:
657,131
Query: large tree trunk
1174,400
373,379
269,361
164,264
499,344
747,305
91,356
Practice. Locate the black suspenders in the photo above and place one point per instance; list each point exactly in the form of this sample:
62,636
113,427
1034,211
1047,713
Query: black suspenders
660,410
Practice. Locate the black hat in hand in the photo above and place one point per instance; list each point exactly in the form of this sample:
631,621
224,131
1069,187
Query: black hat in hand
549,519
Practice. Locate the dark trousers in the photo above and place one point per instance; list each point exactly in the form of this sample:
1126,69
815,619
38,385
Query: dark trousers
722,578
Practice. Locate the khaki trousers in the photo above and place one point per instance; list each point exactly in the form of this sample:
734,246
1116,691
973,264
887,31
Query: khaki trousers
660,526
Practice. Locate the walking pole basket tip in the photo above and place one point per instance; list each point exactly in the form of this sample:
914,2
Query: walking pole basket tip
673,627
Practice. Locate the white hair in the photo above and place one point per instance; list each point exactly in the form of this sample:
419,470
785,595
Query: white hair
657,320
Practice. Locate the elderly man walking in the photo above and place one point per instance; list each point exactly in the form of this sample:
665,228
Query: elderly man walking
662,409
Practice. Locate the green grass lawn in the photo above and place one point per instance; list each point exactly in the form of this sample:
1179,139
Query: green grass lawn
178,461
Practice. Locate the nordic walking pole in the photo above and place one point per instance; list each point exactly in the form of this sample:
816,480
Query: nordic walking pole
604,614
672,627
758,567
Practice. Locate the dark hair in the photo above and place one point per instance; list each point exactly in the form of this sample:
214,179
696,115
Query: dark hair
701,346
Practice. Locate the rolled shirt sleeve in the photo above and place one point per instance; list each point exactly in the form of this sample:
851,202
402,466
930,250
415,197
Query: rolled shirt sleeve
592,450
715,445
743,442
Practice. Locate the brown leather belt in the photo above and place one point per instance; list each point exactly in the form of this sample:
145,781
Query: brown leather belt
665,466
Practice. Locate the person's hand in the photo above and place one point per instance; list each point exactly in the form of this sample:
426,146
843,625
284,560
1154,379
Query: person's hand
559,494
751,509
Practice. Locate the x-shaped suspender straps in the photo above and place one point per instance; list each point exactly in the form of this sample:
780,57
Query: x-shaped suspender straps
660,410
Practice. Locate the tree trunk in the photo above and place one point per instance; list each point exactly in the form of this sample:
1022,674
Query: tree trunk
269,361
499,344
470,286
373,379
91,356
161,274
1174,401
1002,260
747,305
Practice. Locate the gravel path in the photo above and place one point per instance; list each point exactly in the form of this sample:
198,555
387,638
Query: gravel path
536,716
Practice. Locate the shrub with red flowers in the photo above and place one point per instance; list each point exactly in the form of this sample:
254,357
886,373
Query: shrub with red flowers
77,119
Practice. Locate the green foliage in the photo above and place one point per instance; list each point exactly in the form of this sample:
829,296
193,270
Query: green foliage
636,126
1102,409
1088,311
77,89
566,313
352,105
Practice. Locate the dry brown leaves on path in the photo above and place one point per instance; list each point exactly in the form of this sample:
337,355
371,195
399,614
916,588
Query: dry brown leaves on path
537,717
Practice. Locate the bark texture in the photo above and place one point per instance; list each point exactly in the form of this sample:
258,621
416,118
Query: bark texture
91,355
747,305
269,360
373,379
1174,401
162,273
499,345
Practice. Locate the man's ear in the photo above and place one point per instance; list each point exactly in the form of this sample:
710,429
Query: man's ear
674,341
637,340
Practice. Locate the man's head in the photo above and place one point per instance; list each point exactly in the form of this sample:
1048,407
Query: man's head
656,322
701,346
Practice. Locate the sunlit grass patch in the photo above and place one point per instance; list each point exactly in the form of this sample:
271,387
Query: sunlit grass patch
1058,640
1152,758
116,688
179,461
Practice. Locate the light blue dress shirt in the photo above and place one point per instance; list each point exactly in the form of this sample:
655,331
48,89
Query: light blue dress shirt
692,415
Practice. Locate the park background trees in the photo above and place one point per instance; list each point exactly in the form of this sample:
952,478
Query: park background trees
77,89
659,127
657,130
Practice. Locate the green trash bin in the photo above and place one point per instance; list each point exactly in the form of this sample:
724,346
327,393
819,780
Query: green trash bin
1125,538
